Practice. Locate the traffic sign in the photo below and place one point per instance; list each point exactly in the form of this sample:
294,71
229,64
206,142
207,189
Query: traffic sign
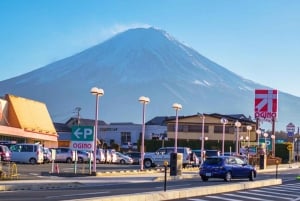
290,129
82,138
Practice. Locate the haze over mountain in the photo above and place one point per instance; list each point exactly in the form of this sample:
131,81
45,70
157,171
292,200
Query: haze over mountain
142,62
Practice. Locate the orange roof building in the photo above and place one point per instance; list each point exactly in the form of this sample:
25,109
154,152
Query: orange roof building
25,120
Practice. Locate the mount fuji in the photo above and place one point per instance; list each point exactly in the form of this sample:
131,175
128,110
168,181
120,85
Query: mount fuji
142,62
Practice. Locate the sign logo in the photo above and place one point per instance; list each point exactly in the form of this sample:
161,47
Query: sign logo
266,104
290,129
82,138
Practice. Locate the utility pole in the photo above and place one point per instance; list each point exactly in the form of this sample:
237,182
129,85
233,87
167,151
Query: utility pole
77,110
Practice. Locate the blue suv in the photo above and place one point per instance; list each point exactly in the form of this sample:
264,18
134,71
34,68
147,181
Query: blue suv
227,168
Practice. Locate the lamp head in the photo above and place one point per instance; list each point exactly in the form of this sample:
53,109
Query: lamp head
97,91
144,100
177,106
237,124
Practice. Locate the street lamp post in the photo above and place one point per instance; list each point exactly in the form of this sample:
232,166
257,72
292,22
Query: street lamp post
202,137
143,100
242,144
206,138
249,128
237,125
265,136
97,92
224,121
273,144
258,132
177,107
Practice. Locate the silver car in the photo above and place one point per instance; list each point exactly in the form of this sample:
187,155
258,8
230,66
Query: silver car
123,159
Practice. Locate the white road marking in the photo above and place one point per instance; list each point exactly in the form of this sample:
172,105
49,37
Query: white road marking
273,193
246,197
263,195
222,198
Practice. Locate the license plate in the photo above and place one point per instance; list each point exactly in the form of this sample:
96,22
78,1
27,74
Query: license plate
208,174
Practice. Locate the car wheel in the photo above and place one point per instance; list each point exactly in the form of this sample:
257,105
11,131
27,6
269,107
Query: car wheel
122,161
204,178
69,160
228,177
32,161
147,163
251,176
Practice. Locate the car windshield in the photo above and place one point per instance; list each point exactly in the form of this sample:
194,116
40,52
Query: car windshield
213,161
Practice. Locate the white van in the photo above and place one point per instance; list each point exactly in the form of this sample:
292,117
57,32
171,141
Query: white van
27,153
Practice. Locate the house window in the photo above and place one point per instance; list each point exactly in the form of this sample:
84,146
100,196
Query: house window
125,137
187,128
219,129
195,128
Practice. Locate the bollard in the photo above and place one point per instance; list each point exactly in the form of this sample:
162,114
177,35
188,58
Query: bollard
165,183
277,162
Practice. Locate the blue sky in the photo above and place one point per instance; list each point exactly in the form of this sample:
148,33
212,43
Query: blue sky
259,40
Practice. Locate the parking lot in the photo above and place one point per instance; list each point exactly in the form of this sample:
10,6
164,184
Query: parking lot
29,171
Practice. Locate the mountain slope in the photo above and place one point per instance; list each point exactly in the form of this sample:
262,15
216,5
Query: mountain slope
139,62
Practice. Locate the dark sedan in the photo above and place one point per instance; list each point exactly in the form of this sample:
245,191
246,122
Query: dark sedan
227,168
136,156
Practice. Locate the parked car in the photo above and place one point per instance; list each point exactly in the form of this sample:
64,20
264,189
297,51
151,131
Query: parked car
64,154
47,155
84,156
194,160
164,154
123,159
134,146
126,145
27,153
113,156
213,152
5,153
107,156
136,156
227,168
100,156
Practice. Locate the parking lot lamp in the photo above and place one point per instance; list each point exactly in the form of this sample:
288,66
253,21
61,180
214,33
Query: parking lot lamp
237,125
249,128
202,136
144,101
177,107
273,144
97,92
258,132
265,136
224,121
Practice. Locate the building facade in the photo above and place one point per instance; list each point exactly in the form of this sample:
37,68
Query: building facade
26,121
190,128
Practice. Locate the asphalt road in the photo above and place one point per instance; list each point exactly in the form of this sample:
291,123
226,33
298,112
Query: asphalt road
118,188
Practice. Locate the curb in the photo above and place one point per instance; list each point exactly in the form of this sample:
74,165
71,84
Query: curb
45,186
189,192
